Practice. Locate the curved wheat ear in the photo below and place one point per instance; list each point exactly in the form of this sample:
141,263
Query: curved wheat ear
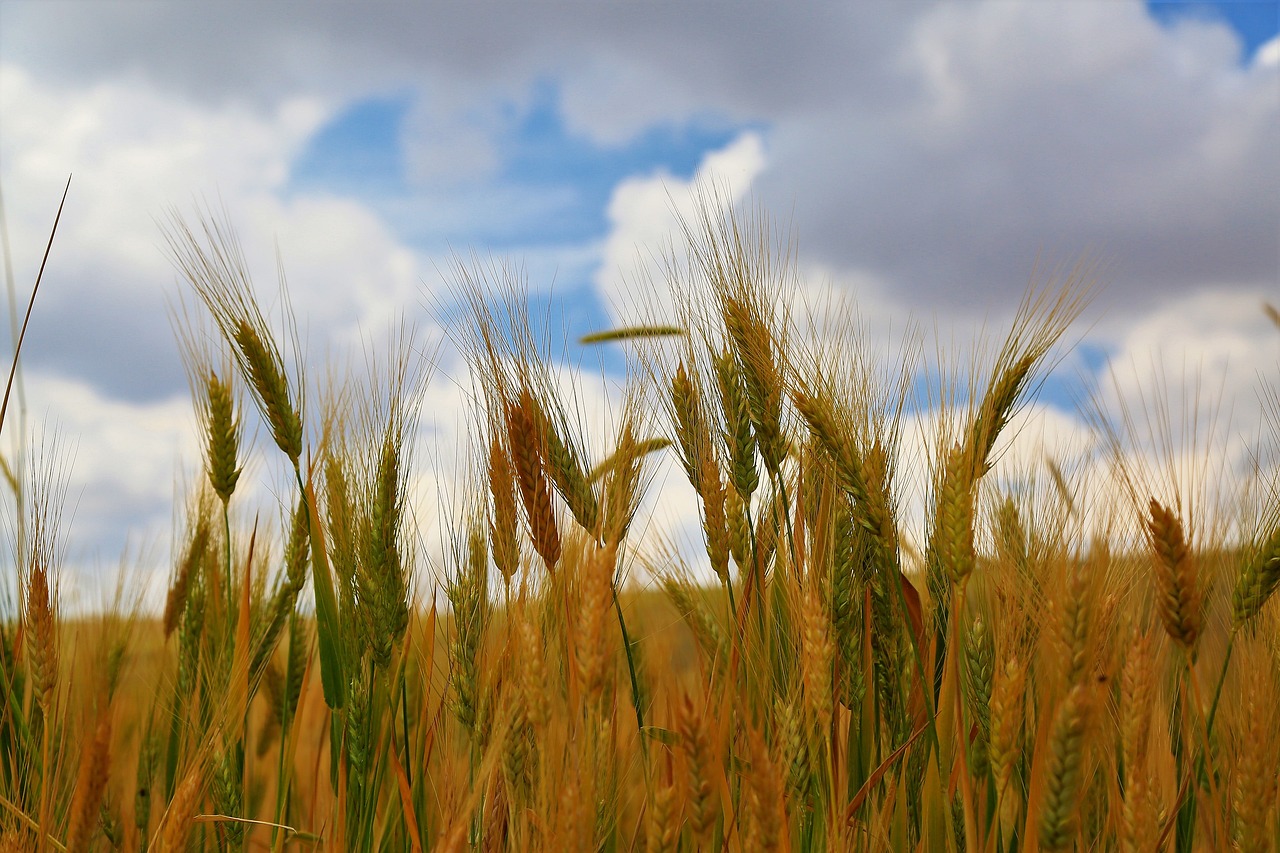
527,459
265,368
565,466
864,479
1179,598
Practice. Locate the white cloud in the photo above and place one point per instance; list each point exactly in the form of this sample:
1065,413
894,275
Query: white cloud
1268,55
645,213
102,365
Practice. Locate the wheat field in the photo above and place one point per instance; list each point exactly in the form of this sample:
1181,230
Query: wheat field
1083,666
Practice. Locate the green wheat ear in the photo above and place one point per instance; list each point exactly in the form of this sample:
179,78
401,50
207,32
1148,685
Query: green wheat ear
631,333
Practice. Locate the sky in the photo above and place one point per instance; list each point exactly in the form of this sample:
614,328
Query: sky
929,159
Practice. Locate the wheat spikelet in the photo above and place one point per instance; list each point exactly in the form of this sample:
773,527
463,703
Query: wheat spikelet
520,745
1254,788
737,416
171,836
223,427
502,519
1258,579
1008,700
1011,542
691,431
595,586
1179,598
533,673
870,510
793,744
630,333
662,831
380,582
339,523
1075,625
979,660
715,523
43,646
359,756
1137,692
299,654
565,466
816,655
266,375
953,528
187,569
227,799
1007,384
527,459
468,594
762,797
1059,810
696,743
214,265
91,784
735,510
1042,318
755,354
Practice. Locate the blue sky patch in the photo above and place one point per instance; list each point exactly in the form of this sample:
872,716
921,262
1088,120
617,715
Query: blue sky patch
357,153
551,185
1255,21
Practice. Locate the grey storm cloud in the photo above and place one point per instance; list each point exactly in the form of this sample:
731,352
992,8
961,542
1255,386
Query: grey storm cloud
940,147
